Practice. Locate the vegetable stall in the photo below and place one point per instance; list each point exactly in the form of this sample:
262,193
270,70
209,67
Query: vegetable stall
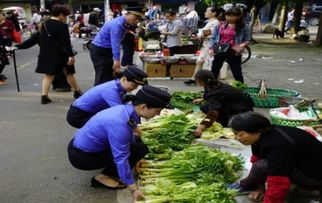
177,169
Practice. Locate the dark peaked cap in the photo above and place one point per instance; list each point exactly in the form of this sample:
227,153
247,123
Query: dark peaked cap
136,75
153,96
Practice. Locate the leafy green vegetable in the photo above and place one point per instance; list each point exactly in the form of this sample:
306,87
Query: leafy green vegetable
239,85
216,131
188,192
197,163
183,100
167,133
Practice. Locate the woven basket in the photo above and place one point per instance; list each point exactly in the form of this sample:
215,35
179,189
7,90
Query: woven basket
272,100
290,122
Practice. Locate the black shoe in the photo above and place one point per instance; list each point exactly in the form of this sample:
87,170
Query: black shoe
45,99
77,94
190,82
95,184
3,77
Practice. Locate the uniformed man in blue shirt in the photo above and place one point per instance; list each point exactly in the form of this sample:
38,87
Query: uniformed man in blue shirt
107,141
104,96
105,48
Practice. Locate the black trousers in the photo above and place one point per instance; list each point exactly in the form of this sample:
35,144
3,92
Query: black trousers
77,117
92,161
174,50
128,52
234,63
259,171
102,59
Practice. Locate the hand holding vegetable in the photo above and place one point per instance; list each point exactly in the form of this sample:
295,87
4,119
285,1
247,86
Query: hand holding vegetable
137,132
198,131
198,101
137,195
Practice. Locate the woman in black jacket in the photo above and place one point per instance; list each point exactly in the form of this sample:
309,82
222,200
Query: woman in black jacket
59,83
281,156
222,101
56,54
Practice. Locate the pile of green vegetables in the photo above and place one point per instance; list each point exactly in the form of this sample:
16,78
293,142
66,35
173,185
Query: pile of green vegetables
167,133
183,100
166,191
196,174
197,163
239,85
217,131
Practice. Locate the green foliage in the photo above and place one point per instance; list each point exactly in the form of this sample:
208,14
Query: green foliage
183,100
197,163
196,174
239,85
167,133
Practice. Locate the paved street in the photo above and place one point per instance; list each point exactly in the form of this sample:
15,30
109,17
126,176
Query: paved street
34,137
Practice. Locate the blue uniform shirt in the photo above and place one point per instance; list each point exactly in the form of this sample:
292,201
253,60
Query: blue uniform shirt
110,129
111,35
101,97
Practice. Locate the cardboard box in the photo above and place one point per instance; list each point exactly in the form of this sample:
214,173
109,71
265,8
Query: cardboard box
155,70
182,71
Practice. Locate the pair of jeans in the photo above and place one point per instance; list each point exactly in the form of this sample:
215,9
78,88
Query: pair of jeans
259,172
77,117
92,161
102,59
234,62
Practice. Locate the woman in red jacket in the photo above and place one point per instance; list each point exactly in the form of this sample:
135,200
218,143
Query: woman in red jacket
281,156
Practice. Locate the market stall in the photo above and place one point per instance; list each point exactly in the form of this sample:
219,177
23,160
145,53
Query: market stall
180,167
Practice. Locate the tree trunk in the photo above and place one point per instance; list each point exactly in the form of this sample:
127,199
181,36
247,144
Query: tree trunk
283,16
276,14
297,17
254,13
318,41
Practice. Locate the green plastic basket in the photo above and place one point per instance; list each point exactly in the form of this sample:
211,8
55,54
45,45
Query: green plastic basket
273,95
290,122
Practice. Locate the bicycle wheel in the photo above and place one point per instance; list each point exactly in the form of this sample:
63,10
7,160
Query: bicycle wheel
246,54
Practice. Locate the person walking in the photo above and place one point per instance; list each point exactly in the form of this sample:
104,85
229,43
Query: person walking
104,96
6,30
290,19
211,14
105,48
173,32
281,156
56,54
234,36
107,141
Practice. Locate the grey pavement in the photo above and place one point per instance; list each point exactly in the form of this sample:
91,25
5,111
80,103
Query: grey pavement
33,138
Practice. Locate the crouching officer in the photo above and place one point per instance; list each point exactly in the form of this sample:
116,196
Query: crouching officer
104,96
107,141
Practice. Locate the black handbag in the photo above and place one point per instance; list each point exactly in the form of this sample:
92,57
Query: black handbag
221,47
